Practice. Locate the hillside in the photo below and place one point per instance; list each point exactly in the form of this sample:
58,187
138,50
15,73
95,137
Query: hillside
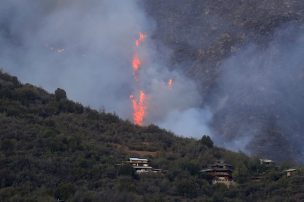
204,32
244,55
53,148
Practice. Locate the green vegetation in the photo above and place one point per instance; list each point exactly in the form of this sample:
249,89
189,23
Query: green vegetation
53,148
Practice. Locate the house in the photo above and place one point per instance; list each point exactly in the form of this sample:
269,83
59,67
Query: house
290,172
141,166
139,162
220,172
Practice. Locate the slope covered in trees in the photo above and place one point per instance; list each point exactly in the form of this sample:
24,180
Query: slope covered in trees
53,148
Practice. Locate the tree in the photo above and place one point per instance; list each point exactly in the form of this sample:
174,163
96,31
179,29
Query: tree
7,146
126,169
187,187
206,140
60,94
65,190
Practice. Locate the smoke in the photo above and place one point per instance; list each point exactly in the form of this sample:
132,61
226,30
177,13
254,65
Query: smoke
259,104
86,47
188,122
254,94
76,45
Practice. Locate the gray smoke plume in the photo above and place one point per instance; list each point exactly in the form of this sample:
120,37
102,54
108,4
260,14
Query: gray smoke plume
259,103
246,57
86,47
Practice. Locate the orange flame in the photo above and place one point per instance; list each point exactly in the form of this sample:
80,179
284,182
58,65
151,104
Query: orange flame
139,108
139,105
136,63
170,83
141,38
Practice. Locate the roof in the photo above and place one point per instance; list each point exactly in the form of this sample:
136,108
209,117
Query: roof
290,170
142,167
206,170
217,170
220,164
266,160
137,159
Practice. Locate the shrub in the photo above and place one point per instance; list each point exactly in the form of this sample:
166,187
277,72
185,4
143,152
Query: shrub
187,187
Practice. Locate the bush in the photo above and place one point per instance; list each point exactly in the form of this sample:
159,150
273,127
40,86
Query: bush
187,187
7,146
126,169
65,190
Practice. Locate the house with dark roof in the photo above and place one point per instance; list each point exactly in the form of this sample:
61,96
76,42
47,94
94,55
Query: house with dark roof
220,172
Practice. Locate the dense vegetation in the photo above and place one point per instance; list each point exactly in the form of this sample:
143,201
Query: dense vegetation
53,148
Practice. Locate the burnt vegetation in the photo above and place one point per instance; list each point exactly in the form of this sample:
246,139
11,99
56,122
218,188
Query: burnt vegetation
53,148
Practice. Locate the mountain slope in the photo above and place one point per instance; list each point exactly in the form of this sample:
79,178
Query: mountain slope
52,148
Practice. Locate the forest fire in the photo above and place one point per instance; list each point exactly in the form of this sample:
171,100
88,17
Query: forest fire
138,108
170,83
141,38
136,63
139,105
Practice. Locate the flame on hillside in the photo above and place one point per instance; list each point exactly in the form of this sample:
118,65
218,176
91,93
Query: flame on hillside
139,105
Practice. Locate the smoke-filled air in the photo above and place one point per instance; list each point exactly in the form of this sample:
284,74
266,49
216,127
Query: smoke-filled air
104,53
259,102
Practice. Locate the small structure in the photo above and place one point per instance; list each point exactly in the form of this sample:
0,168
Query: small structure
142,166
266,162
139,162
290,172
220,172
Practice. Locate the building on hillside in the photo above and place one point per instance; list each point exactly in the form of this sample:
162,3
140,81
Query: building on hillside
290,172
267,162
142,166
220,172
139,162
